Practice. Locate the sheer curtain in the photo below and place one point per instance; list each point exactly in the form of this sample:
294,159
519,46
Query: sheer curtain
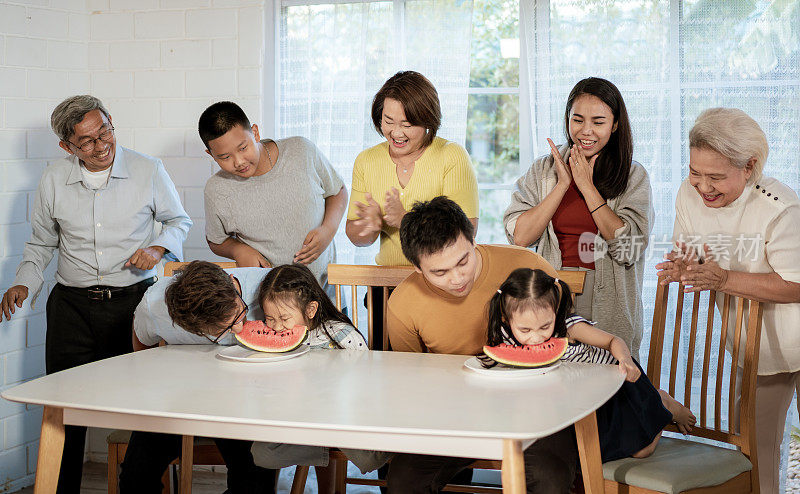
671,60
335,56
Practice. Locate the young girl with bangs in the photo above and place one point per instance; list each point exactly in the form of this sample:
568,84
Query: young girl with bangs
531,307
290,295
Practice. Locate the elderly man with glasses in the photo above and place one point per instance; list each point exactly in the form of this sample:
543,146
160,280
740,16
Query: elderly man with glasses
203,304
98,208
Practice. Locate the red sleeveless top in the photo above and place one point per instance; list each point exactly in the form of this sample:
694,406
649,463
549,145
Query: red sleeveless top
571,219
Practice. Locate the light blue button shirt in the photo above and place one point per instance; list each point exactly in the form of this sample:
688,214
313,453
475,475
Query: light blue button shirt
152,323
96,231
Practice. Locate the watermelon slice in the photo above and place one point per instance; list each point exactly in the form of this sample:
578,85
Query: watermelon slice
258,336
540,355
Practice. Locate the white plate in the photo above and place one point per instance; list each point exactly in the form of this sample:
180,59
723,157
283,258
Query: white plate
243,354
501,370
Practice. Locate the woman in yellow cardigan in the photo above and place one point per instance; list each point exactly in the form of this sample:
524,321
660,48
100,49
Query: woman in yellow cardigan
411,165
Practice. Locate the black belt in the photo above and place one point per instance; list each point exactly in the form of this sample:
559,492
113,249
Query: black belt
102,292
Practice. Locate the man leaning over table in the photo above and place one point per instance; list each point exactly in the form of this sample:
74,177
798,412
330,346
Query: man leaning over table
441,308
203,304
98,208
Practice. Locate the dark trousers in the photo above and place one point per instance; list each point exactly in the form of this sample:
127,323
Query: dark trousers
79,331
150,453
377,316
550,466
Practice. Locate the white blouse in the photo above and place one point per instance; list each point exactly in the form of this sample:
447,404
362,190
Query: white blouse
344,334
759,232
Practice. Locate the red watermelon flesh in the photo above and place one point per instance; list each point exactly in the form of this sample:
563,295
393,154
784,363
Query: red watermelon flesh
258,336
540,355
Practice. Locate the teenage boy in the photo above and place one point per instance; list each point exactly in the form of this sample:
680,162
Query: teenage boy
272,202
201,304
453,281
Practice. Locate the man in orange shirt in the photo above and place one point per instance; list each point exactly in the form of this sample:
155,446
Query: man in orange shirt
452,283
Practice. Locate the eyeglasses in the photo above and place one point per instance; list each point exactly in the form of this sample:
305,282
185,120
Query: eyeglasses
90,144
236,320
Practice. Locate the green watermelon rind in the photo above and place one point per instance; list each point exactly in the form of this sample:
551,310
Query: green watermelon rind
521,351
253,346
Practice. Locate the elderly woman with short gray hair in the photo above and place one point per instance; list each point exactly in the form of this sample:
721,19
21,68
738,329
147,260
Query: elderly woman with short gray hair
737,232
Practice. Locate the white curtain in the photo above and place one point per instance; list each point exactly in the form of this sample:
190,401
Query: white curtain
334,57
670,59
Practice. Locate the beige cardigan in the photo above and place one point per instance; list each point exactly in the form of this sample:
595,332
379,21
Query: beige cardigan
617,292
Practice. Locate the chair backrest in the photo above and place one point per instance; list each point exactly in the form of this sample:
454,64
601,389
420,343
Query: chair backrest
699,350
388,277
173,267
385,277
574,280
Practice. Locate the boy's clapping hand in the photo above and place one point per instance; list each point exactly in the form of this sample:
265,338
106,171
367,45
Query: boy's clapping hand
247,257
314,244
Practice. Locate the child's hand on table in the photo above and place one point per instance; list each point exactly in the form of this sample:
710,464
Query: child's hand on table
627,367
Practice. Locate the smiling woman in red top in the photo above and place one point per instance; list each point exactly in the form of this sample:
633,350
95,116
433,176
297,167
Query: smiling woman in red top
587,206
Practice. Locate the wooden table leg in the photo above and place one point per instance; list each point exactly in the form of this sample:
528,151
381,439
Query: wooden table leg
51,447
589,452
187,461
513,469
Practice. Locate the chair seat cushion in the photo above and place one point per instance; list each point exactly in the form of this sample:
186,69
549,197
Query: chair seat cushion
678,465
118,436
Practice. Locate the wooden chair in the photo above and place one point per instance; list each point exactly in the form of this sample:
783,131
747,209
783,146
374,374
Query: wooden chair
173,267
388,277
684,465
117,446
199,451
354,276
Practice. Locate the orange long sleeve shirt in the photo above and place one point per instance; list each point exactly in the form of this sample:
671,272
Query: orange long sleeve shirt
422,318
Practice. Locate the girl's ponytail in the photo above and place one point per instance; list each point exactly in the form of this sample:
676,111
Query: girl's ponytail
563,307
496,314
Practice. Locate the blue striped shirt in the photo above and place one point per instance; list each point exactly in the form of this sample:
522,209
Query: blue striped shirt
577,351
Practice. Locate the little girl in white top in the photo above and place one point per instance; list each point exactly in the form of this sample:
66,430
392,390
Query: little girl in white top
290,295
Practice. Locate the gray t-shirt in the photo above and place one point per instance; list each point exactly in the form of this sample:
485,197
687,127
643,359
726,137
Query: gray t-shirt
274,212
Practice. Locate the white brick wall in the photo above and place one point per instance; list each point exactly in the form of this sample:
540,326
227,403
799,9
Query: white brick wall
156,64
44,58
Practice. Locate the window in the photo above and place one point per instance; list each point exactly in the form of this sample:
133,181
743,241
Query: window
334,56
670,59
503,69
493,123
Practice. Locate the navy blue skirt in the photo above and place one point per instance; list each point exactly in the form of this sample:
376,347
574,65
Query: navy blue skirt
631,419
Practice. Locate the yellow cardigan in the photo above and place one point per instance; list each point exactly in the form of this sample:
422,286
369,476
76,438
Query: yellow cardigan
444,169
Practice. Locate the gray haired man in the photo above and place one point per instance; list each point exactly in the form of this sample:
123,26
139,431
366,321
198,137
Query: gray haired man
98,208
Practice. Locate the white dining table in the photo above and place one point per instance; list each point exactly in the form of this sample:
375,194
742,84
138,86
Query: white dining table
387,401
